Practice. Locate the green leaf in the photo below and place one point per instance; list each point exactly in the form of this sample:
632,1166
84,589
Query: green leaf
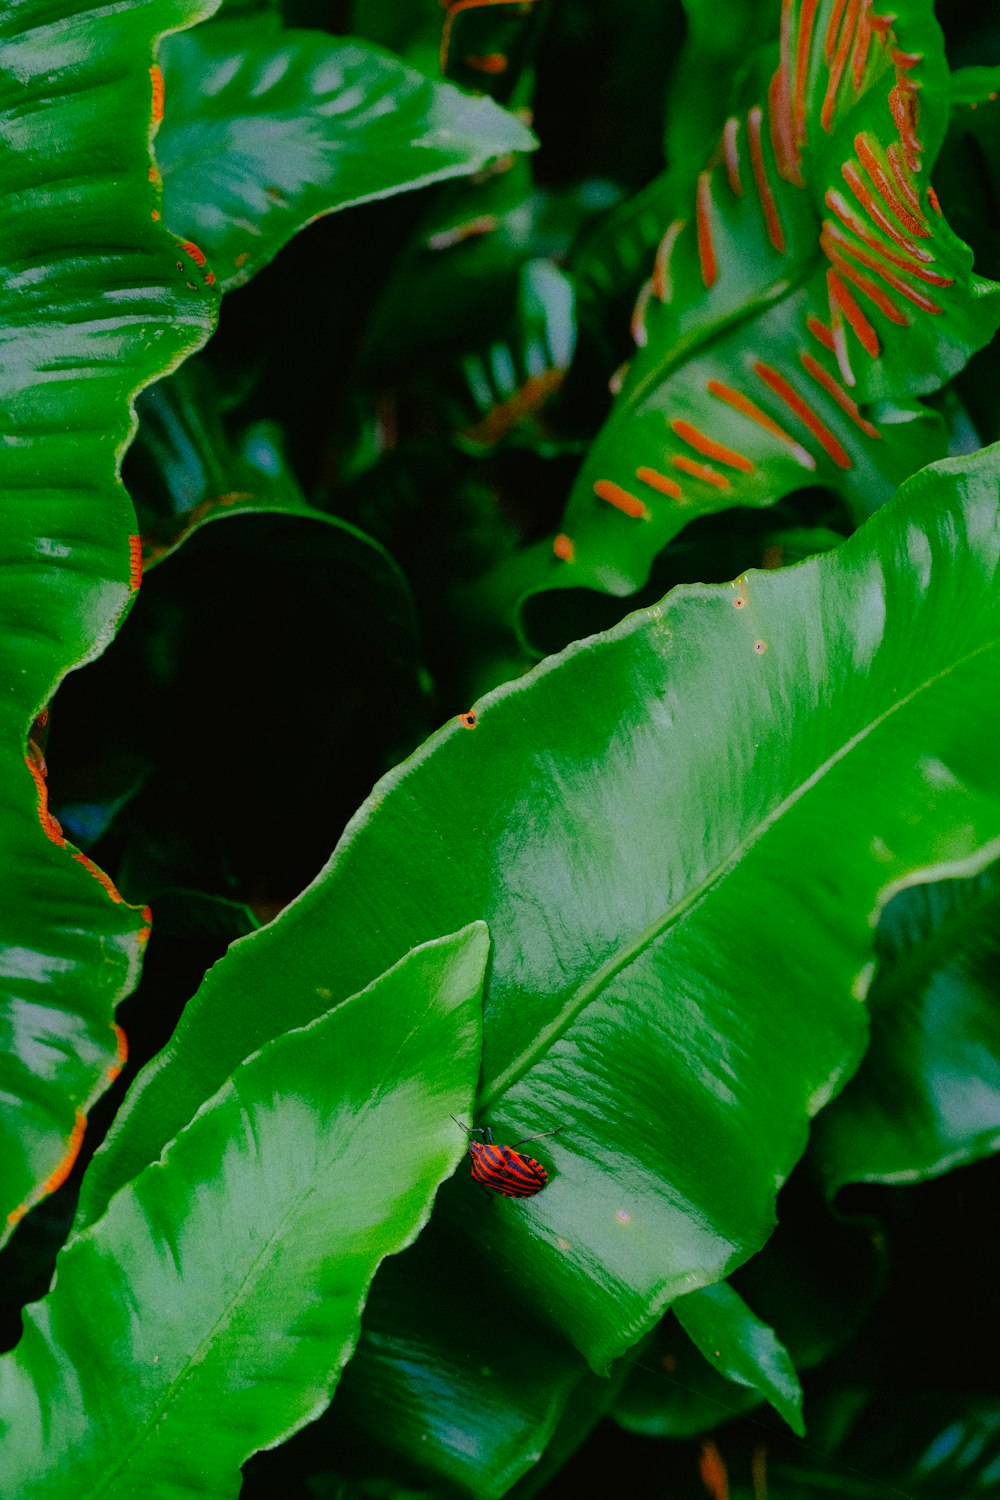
455,1383
95,305
673,1391
927,1096
209,1312
611,815
814,1283
742,1348
719,42
274,128
795,308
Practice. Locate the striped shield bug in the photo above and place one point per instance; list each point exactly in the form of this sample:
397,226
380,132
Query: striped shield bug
504,1169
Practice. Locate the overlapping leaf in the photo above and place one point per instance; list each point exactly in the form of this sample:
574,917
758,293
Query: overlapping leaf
927,1096
797,307
742,1347
210,1311
677,970
266,129
96,301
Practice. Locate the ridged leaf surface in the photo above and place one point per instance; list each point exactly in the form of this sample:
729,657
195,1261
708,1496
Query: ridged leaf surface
679,833
95,301
266,129
209,1312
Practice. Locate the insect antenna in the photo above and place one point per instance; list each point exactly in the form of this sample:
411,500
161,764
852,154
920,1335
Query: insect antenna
538,1137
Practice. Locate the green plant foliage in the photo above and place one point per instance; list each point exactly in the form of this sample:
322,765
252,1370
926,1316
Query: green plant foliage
95,305
795,308
273,128
608,908
742,1348
248,1248
927,1096
814,1283
736,854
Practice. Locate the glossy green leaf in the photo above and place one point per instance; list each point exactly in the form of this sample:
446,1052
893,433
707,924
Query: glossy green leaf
209,1312
94,306
814,1283
674,980
796,308
455,1383
720,41
673,1391
927,1096
274,128
742,1347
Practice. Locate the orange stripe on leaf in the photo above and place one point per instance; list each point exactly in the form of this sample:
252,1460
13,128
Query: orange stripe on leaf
704,472
831,235
156,79
750,409
819,331
65,1167
885,190
775,233
628,504
837,393
710,448
900,176
779,102
838,65
99,875
830,39
868,288
842,301
134,563
637,327
806,20
731,154
706,246
660,482
863,193
839,205
121,1043
862,42
662,287
779,116
796,403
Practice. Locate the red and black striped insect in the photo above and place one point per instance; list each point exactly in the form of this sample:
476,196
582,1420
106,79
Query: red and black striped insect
504,1169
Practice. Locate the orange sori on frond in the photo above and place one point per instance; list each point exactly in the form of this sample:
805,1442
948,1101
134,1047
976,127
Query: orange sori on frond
874,237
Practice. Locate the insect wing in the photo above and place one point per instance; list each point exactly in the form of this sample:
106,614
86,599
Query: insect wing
507,1171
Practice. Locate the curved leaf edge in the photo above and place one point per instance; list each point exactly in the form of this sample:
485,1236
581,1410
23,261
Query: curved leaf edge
104,632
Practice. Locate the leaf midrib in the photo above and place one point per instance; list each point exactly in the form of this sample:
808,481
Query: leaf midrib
247,1286
682,354
631,952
